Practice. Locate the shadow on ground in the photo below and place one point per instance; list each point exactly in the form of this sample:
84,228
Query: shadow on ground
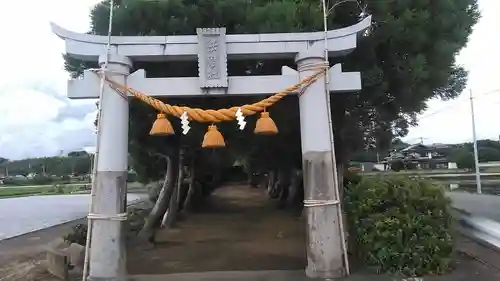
239,229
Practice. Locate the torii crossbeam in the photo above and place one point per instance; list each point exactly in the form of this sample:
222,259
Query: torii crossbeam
212,48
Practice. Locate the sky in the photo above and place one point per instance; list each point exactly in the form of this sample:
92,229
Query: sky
37,120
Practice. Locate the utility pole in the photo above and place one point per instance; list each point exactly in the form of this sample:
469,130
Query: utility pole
474,139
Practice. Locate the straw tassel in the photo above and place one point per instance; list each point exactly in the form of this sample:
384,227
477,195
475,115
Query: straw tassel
213,138
161,126
265,125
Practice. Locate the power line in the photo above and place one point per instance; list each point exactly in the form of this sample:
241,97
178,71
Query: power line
457,102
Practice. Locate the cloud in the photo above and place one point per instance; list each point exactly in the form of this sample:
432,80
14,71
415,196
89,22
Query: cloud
36,118
450,122
36,124
51,139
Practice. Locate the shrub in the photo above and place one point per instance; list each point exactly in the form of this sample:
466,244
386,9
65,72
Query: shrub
351,178
41,180
397,165
410,166
78,234
399,225
58,188
84,187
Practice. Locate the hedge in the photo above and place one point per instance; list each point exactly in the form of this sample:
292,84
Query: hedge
399,225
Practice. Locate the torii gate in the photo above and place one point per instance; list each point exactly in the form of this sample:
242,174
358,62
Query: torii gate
324,253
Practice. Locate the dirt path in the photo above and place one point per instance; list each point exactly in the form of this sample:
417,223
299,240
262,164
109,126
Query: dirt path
22,258
238,230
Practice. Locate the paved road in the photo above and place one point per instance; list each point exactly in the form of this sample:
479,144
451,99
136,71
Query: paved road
26,214
477,204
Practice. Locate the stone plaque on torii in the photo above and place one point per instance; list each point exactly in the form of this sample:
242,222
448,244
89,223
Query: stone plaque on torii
212,48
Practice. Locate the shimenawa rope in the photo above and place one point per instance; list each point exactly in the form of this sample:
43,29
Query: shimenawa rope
224,114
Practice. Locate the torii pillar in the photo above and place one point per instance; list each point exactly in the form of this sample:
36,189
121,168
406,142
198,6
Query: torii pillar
324,251
108,251
324,244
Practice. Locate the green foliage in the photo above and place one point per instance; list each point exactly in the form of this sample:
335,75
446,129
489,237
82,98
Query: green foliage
351,178
408,59
488,150
38,190
80,153
365,155
411,166
78,234
24,191
58,188
131,177
36,180
397,165
400,225
77,163
465,160
41,180
3,161
486,154
462,153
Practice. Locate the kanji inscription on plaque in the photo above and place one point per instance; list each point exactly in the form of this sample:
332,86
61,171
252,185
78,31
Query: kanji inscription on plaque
212,57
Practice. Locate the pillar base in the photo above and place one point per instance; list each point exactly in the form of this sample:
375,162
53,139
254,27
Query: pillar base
324,275
90,278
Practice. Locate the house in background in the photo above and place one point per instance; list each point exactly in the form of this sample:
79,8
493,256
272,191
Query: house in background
418,156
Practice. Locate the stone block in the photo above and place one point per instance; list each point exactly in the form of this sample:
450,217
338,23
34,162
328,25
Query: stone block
57,264
76,254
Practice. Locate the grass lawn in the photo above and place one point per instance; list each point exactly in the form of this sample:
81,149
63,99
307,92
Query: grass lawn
38,190
20,191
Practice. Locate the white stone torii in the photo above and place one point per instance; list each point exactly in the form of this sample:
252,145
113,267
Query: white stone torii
212,48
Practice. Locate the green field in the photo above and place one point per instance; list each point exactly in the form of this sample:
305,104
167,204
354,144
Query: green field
8,192
21,191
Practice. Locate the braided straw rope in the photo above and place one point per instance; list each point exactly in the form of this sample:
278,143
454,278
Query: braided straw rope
224,114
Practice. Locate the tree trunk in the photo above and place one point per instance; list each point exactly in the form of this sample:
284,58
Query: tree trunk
340,178
154,191
297,191
271,184
284,182
153,219
188,203
173,208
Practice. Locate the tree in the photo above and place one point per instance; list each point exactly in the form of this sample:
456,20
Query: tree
408,59
4,166
397,165
398,144
80,153
58,166
367,156
486,154
465,160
